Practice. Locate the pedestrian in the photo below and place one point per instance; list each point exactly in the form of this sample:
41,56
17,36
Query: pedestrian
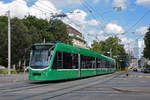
126,68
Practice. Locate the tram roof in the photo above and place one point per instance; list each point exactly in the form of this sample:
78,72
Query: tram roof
74,49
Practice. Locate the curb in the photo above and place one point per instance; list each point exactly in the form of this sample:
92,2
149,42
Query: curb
131,91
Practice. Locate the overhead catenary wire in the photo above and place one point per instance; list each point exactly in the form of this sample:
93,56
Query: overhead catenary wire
50,12
140,19
47,11
96,12
66,17
91,12
83,30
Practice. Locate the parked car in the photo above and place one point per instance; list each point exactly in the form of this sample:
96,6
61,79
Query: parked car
135,70
146,70
2,67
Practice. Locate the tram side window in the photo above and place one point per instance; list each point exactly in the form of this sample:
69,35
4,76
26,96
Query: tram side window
108,64
70,61
104,64
87,62
91,62
113,65
58,61
83,62
74,61
99,63
67,60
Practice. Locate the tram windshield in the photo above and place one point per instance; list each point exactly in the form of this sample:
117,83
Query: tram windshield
40,57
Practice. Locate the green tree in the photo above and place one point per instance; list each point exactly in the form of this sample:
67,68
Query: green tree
38,29
3,40
20,39
112,45
27,31
147,44
97,46
58,28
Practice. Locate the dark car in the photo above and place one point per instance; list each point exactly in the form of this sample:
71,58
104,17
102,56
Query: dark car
135,70
146,70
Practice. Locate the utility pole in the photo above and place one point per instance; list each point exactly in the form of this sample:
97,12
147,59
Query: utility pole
9,44
110,52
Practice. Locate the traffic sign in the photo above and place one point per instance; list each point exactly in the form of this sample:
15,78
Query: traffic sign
127,64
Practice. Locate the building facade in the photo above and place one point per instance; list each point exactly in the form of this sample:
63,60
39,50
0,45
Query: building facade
77,37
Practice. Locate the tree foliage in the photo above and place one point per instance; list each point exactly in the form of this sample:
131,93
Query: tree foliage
147,44
27,31
111,45
97,46
59,29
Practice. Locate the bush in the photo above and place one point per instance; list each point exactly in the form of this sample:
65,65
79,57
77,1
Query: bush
5,71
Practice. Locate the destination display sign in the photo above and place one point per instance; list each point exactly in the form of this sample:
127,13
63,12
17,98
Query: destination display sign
41,47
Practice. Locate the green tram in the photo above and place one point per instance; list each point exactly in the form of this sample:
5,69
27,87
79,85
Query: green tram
59,61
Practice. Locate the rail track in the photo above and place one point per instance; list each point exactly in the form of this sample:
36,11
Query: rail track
67,89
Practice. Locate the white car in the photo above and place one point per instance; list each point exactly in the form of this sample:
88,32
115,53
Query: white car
2,67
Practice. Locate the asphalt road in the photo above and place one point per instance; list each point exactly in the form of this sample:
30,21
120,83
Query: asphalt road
107,87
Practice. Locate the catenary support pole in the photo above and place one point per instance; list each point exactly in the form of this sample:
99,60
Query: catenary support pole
9,44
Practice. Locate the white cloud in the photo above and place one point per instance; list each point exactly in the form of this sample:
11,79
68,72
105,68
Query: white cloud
125,40
79,17
68,3
96,1
120,3
93,22
129,43
145,3
19,8
107,1
113,29
46,9
141,30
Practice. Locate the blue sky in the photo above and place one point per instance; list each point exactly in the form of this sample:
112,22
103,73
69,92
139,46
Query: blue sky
91,23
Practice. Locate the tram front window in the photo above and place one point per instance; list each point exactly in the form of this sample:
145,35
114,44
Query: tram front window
40,58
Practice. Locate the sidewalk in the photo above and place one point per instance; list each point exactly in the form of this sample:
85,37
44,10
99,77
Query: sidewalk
144,90
4,78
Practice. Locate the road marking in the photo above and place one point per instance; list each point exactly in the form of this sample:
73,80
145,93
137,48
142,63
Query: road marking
147,76
140,76
143,76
